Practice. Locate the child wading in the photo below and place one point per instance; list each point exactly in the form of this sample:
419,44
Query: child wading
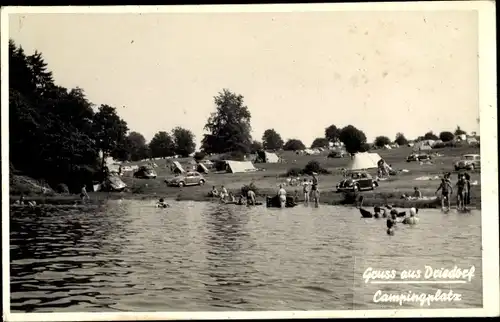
83,194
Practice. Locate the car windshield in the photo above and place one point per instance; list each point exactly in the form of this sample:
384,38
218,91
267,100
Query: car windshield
468,157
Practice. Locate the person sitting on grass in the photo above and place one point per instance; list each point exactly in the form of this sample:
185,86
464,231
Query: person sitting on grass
231,197
223,193
214,192
241,200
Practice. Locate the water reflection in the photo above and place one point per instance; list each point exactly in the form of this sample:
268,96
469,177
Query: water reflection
229,266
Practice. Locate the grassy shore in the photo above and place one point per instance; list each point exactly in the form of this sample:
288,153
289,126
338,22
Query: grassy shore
271,176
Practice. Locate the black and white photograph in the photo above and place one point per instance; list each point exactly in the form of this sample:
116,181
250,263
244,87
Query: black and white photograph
249,161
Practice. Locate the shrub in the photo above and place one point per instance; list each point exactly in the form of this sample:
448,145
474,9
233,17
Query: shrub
62,188
294,172
246,188
446,136
365,147
219,165
198,156
314,166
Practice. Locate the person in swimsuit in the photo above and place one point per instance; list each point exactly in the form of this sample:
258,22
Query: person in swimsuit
314,179
315,193
282,196
446,192
214,192
223,193
251,197
416,193
162,204
461,192
307,191
83,194
467,195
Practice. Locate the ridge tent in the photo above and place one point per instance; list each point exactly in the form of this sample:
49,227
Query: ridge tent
239,166
423,145
177,167
363,160
201,168
267,157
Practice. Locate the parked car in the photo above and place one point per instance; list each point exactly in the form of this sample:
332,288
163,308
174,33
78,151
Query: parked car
468,162
418,157
357,181
145,172
336,154
191,178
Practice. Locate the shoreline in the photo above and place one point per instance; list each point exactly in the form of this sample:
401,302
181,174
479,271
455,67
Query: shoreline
332,198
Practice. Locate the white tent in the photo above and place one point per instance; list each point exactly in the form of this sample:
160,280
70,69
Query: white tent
363,160
271,157
387,147
202,168
239,166
178,167
423,145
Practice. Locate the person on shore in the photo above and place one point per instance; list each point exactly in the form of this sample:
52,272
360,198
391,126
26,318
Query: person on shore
231,197
416,193
467,194
307,191
214,192
314,179
21,199
223,193
83,194
461,192
282,196
251,197
240,200
315,193
296,196
446,192
162,204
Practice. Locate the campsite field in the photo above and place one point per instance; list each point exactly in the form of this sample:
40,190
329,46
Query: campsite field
272,175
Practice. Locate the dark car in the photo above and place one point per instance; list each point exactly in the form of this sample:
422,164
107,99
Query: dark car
357,181
145,172
418,157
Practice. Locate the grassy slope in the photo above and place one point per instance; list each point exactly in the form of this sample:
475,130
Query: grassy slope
268,180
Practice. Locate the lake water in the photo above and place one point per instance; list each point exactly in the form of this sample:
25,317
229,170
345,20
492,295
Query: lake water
196,256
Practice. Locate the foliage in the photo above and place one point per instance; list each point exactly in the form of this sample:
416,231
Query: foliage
448,144
272,140
229,126
401,139
110,131
62,188
332,133
446,136
320,143
459,131
162,145
430,136
365,147
294,172
381,141
255,147
52,129
352,138
294,145
219,165
198,156
183,141
136,147
314,166
246,188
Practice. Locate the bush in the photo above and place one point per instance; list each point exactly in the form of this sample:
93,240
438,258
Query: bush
446,136
449,144
246,188
62,188
294,172
219,165
314,166
365,147
234,156
198,156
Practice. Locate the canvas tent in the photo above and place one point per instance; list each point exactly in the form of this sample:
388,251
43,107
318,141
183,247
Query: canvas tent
202,168
267,157
363,160
423,145
239,166
177,167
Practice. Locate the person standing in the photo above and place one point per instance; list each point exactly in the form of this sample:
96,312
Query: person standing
251,197
446,192
467,195
83,194
315,193
461,192
282,196
307,191
314,179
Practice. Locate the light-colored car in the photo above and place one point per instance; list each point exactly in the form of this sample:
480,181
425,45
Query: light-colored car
468,162
191,178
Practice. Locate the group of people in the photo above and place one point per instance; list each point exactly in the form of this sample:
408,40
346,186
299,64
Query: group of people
225,196
463,191
392,220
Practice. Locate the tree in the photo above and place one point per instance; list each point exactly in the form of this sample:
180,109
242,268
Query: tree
229,126
430,136
183,141
272,140
352,138
381,141
110,132
332,133
162,145
136,146
400,139
446,136
459,131
320,143
294,145
255,147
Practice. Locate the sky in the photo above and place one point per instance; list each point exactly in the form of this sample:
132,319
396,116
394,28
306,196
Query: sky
299,72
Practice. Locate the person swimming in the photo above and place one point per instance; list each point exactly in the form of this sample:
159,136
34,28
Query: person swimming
162,204
412,220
